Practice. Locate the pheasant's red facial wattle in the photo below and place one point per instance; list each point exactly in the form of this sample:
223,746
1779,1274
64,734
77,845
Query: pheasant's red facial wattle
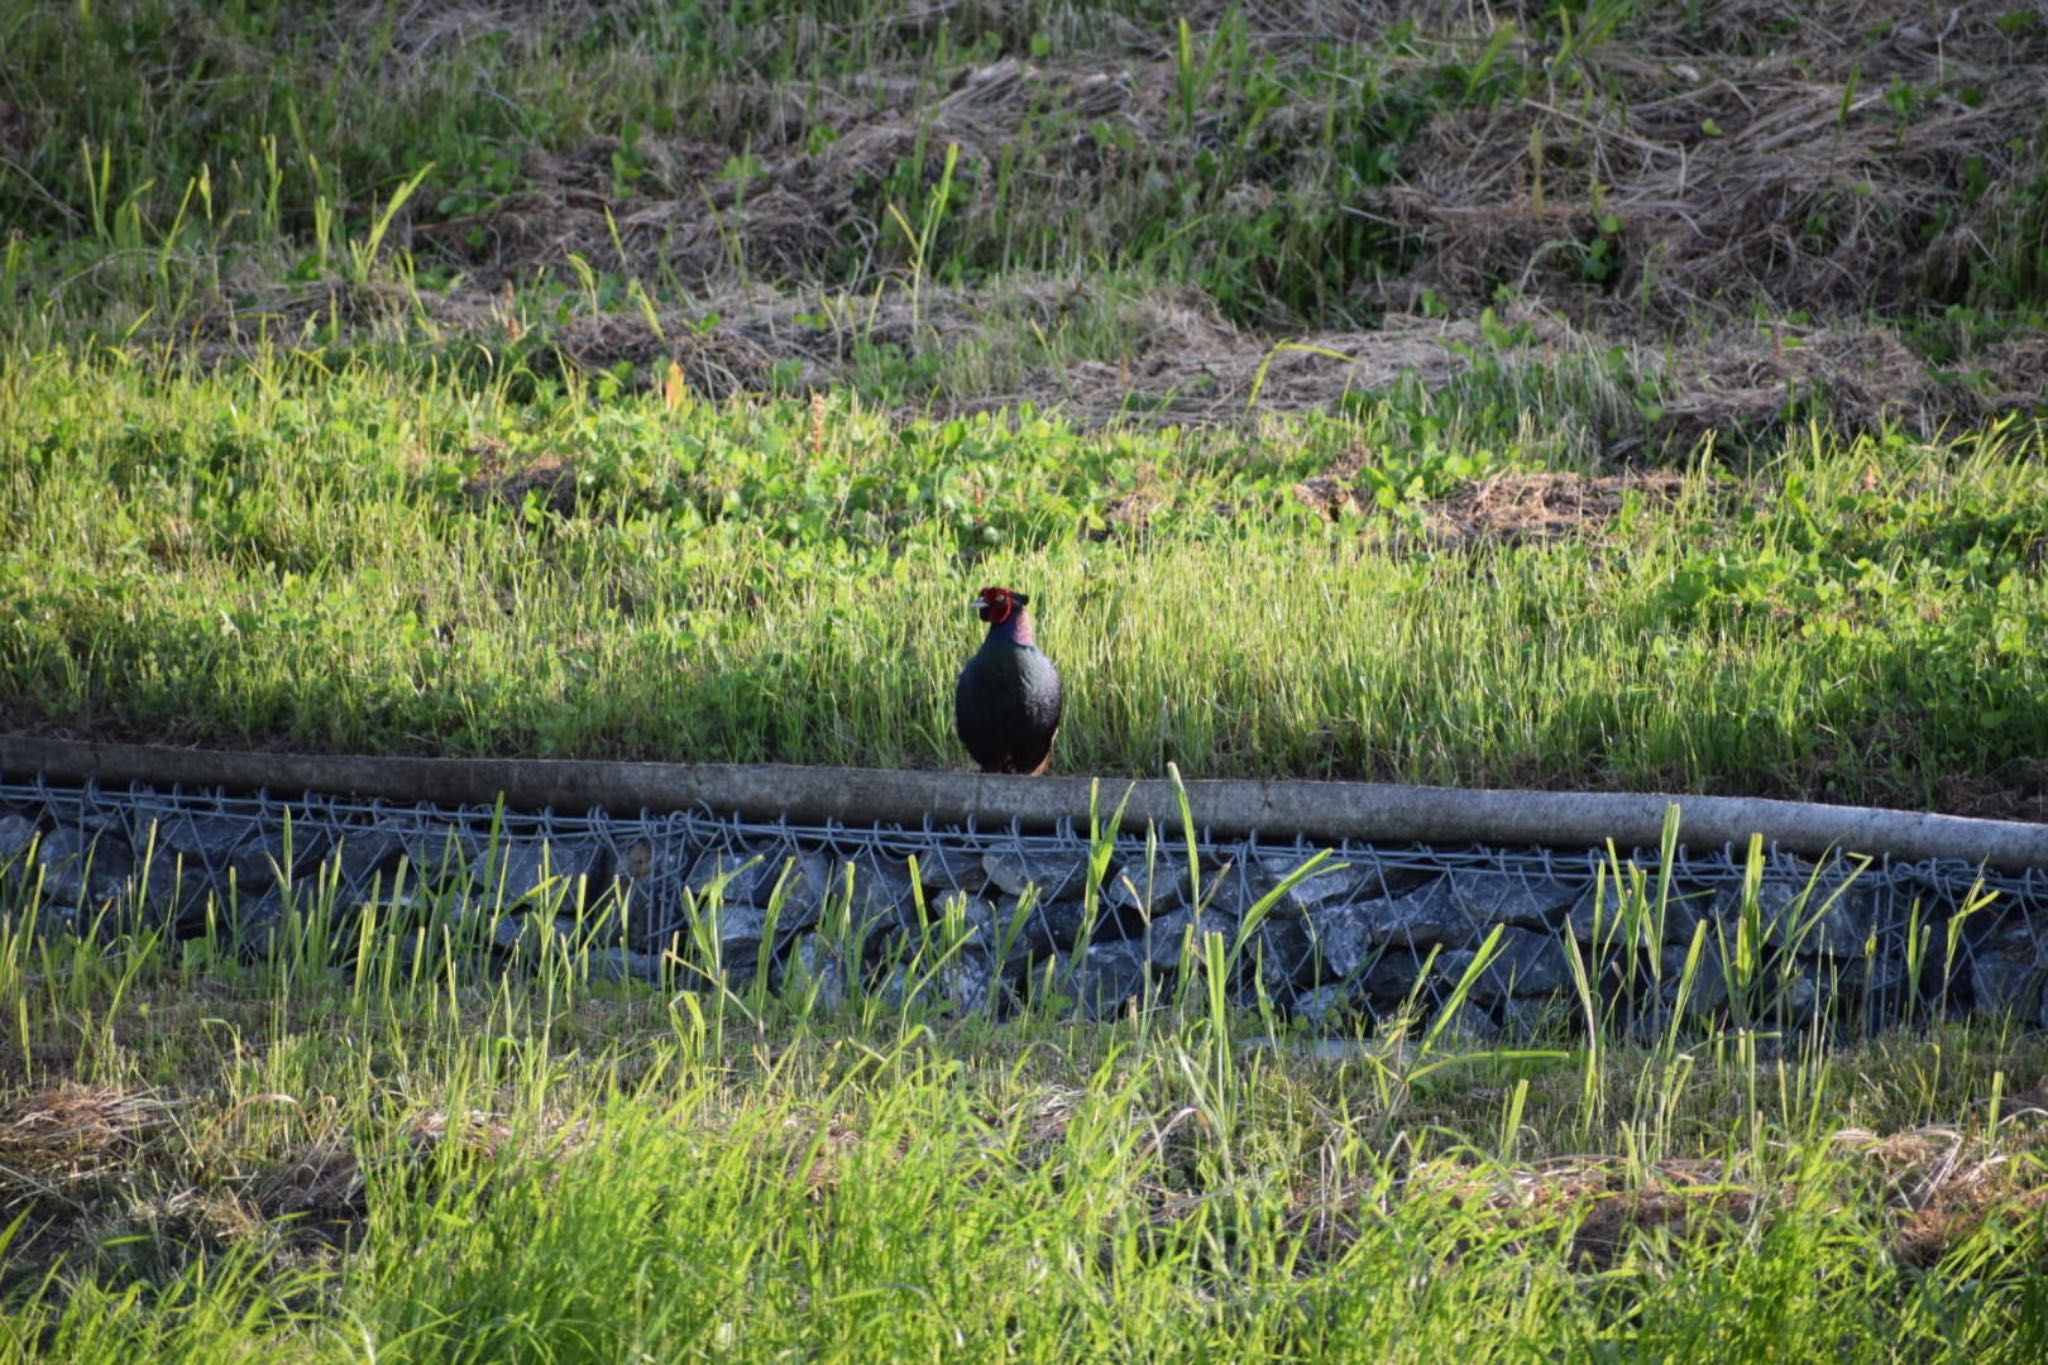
997,605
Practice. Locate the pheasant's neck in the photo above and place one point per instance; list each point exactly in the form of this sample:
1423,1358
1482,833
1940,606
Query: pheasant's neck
1015,631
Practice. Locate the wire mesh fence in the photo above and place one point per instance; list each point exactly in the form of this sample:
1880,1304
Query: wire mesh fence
1336,935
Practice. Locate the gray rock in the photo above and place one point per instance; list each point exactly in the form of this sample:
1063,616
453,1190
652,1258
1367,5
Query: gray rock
1165,936
882,896
1427,917
2008,971
1332,1050
1326,1006
729,875
84,871
601,918
517,931
1332,883
1528,964
1846,927
987,926
1708,991
966,983
941,869
1056,875
813,963
733,930
895,989
1287,955
1106,977
522,871
623,964
801,881
1136,890
1048,928
1490,898
969,982
441,849
1825,920
1345,935
1682,916
16,834
258,924
1533,1016
178,889
1472,1028
1883,975
1228,891
263,858
207,839
364,854
1391,977
640,861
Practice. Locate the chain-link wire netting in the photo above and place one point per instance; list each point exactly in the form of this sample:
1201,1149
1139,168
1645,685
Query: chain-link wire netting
1525,934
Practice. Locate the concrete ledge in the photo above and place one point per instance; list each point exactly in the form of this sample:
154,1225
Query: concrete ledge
1318,810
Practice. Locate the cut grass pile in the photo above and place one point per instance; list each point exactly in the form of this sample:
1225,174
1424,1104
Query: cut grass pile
369,559
349,1147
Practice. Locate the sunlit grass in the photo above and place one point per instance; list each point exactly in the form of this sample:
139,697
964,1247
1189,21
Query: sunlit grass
374,562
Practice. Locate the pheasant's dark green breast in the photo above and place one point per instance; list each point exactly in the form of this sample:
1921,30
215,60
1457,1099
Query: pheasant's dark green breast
1007,706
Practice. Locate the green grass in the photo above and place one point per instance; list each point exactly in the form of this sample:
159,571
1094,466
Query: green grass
333,350
351,560
349,1148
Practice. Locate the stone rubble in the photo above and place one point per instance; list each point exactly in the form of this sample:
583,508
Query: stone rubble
983,922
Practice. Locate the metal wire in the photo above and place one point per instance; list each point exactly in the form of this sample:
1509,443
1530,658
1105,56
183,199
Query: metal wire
1385,908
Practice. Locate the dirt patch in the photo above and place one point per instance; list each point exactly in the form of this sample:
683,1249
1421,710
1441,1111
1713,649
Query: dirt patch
319,1193
1506,508
779,203
1668,184
552,478
1944,1186
1930,1190
1859,378
1684,1210
2026,799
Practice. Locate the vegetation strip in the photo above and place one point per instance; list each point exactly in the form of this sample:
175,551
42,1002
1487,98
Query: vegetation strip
342,1148
1105,916
859,796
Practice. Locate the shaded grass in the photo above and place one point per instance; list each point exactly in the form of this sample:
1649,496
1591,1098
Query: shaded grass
361,560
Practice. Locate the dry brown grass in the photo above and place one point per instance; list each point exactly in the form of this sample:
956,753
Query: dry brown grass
1519,508
1791,179
1740,176
70,1137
